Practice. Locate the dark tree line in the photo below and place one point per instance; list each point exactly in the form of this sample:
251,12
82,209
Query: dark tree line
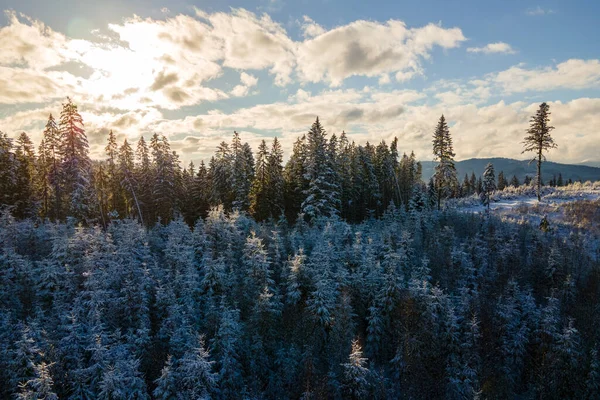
324,176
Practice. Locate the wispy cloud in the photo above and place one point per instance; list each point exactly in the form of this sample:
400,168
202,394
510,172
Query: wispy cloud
498,47
539,11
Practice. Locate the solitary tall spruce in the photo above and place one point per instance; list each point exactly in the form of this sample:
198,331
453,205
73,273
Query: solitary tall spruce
538,139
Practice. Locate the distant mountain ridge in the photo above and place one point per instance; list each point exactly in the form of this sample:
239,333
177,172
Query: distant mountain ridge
520,168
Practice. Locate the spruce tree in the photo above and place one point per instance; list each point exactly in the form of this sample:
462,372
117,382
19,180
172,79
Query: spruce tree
126,170
322,195
514,181
143,178
259,208
24,196
539,140
76,164
50,168
488,185
114,186
275,187
445,172
295,181
502,182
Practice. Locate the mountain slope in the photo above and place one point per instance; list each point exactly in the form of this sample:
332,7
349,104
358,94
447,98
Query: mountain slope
520,168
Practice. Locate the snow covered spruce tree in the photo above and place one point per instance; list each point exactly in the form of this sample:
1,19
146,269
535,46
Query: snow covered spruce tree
539,140
49,170
322,195
445,177
489,185
76,164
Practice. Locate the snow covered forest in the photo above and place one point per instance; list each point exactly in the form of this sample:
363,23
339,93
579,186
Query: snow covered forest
340,274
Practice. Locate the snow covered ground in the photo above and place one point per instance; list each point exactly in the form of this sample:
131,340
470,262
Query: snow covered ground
571,209
548,203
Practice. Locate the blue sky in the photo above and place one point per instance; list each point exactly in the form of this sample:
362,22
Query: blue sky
196,71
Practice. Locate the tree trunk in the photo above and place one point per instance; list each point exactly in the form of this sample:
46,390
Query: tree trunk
539,175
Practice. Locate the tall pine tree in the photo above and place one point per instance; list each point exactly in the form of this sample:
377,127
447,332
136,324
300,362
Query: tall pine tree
539,140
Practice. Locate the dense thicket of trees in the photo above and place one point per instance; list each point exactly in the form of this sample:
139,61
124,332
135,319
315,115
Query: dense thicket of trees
417,304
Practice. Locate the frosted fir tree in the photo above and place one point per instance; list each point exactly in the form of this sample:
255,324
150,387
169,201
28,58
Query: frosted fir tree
242,172
165,175
592,382
143,178
201,191
275,187
539,140
76,163
167,384
445,177
221,170
225,348
113,182
294,278
322,195
25,189
259,205
50,161
489,185
295,181
194,378
39,387
126,170
356,374
321,301
122,380
257,274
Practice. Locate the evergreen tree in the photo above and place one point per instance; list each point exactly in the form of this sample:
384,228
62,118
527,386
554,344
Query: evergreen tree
559,181
143,178
115,200
126,168
295,180
259,207
488,185
445,172
502,182
356,375
221,173
322,195
242,172
50,170
539,140
76,164
275,187
201,191
514,182
165,178
24,196
40,387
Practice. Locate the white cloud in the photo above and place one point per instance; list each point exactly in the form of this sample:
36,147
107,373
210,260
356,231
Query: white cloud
249,42
31,43
539,11
310,28
169,63
246,82
498,47
571,74
371,49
